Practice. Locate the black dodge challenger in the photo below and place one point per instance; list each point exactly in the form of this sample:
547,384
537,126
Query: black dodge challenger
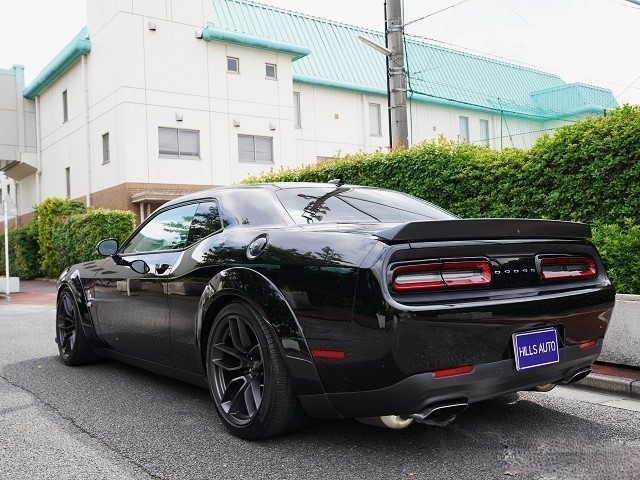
300,300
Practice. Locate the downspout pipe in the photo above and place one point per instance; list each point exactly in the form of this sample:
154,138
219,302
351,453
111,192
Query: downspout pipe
38,154
87,140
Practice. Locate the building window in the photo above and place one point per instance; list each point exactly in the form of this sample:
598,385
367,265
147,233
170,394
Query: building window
233,65
65,107
464,129
67,176
271,71
375,120
296,110
484,132
252,148
179,142
105,149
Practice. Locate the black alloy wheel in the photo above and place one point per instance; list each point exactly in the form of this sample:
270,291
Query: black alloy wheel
238,369
73,346
248,378
66,326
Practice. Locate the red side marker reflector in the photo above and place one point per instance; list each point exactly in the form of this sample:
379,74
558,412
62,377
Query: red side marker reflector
336,354
450,372
590,343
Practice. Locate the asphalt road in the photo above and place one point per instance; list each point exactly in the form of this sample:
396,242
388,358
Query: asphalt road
114,421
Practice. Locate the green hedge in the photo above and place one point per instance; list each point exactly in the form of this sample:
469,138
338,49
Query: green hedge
619,246
46,215
23,253
74,239
587,171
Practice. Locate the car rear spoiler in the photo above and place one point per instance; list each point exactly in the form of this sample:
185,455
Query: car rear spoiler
484,229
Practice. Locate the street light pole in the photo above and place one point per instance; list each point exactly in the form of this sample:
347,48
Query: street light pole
397,75
6,245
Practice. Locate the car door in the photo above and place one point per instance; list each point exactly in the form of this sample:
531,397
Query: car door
131,308
186,285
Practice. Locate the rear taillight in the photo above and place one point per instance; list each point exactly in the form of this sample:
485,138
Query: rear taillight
438,275
555,269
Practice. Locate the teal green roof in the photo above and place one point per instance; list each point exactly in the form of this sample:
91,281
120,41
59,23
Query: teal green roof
69,54
211,33
437,75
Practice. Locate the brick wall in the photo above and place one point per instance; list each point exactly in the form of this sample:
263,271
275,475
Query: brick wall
120,196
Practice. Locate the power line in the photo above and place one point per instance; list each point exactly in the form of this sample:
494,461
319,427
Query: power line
432,14
511,61
626,88
486,95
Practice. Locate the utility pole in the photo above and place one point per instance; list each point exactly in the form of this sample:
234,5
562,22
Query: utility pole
394,30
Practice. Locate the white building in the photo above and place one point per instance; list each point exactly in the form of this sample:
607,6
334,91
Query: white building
153,99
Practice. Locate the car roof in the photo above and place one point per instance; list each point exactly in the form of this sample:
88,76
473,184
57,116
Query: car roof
217,191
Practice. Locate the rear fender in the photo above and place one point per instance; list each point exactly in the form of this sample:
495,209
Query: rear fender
257,290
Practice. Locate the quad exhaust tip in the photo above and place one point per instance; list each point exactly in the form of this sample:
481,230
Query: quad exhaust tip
440,414
576,376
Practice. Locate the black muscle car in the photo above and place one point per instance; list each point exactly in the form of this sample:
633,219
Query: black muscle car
291,301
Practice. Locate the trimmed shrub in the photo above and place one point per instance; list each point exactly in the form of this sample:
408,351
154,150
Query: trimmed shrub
74,239
619,247
23,252
588,171
45,216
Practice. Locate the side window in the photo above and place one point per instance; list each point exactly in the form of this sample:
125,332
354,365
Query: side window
205,222
166,231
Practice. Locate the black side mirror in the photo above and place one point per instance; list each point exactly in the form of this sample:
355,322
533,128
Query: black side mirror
139,266
108,247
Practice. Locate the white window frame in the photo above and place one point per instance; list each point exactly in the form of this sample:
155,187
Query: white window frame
67,176
464,125
237,60
297,121
65,107
106,149
484,132
375,127
253,137
275,71
179,153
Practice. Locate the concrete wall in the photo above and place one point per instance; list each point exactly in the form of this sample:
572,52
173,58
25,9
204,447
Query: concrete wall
622,340
17,135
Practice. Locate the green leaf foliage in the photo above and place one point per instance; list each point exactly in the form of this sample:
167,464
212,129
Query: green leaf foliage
45,216
587,171
74,238
23,252
619,247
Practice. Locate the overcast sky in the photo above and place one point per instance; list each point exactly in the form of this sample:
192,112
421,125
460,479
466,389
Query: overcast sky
590,41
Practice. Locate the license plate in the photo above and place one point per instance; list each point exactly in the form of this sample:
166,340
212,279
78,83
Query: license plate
537,348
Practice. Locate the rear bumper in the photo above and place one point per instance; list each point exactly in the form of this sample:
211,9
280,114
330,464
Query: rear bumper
415,393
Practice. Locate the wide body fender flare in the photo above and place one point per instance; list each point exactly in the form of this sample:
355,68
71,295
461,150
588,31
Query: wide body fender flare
258,291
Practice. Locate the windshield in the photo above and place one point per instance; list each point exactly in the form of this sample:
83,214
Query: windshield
356,205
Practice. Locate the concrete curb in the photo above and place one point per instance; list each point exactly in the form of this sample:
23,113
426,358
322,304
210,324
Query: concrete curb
608,383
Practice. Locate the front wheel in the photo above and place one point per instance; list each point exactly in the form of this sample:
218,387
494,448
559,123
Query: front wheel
73,346
248,379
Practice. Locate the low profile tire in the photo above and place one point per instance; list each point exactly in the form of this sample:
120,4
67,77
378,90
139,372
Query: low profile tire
73,346
248,379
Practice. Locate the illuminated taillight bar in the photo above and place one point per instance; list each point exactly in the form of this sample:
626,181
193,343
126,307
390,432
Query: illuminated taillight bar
436,275
554,269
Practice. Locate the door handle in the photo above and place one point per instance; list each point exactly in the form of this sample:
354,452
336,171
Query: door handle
161,268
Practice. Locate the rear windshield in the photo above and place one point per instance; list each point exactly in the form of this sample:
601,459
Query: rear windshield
356,205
